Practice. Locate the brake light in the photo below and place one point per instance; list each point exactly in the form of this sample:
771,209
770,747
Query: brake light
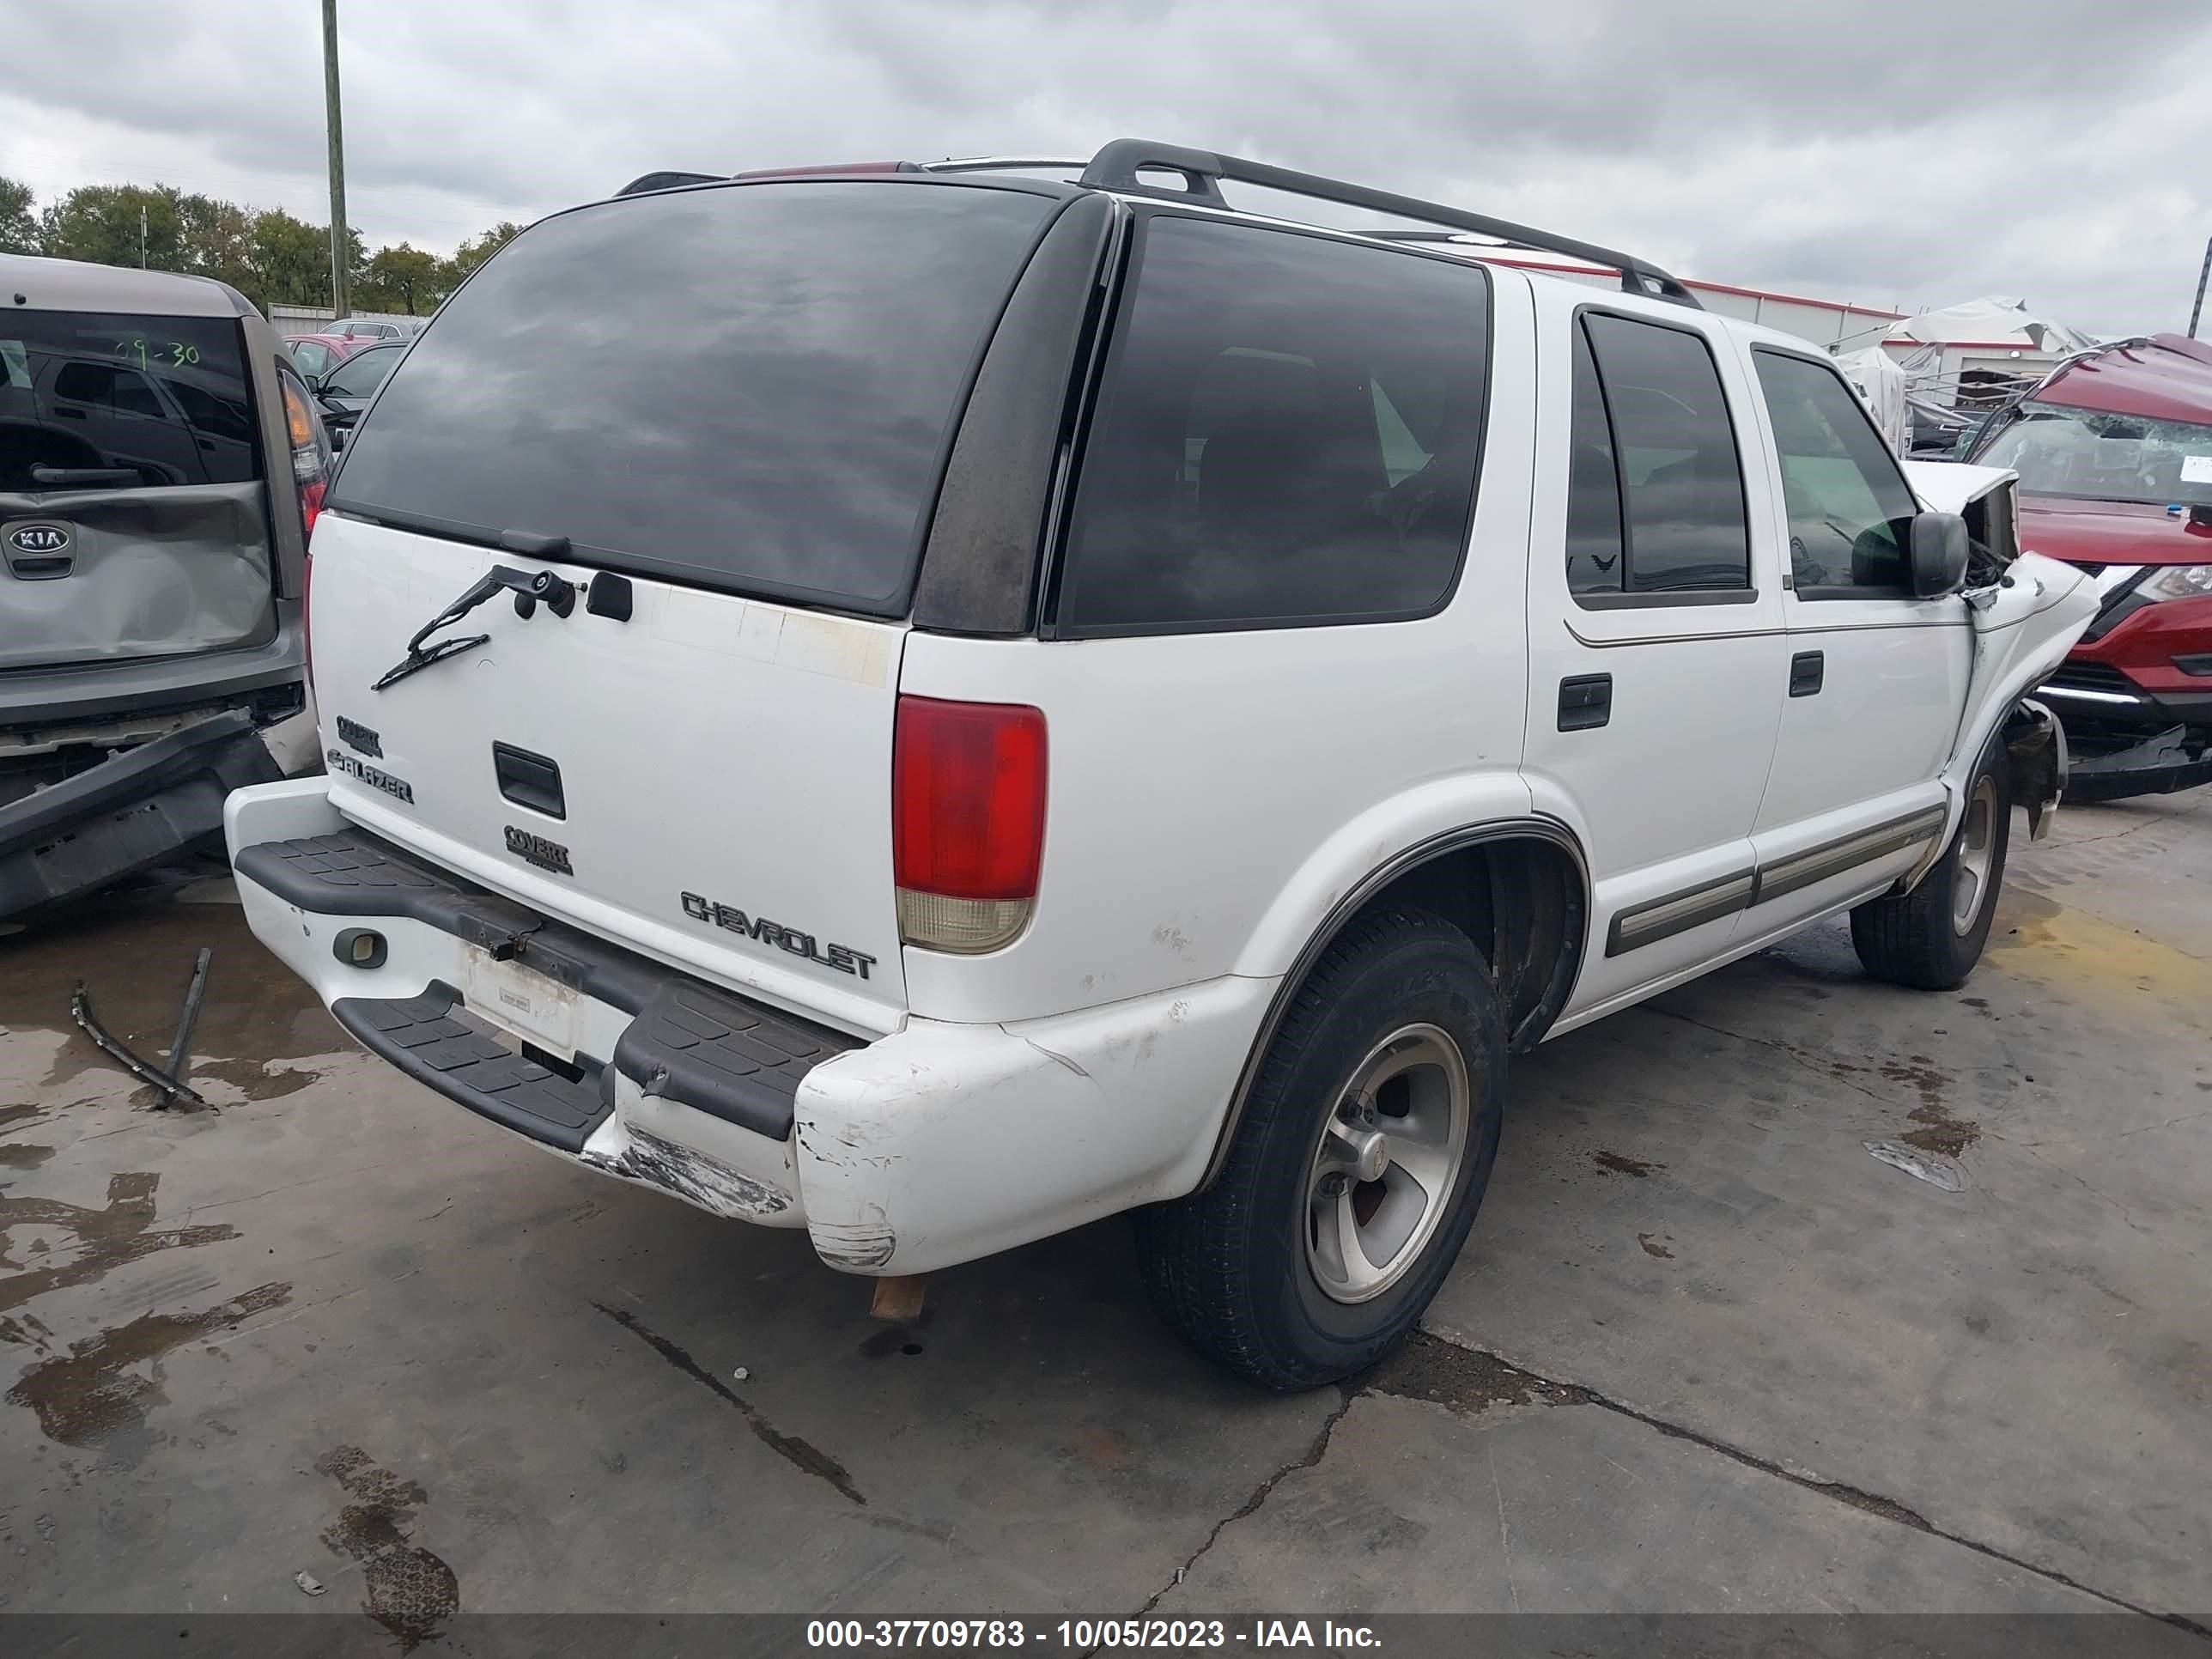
311,452
968,795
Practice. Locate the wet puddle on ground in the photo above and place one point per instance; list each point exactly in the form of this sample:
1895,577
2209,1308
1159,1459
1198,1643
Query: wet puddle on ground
88,1397
134,955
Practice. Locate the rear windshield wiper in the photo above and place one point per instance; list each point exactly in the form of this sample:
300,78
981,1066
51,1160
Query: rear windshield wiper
83,478
529,587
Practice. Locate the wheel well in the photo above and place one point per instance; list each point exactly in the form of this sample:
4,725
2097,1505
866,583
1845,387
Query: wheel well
1519,894
1520,900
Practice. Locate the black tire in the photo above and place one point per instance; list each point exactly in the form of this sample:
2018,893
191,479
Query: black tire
1915,939
1230,1268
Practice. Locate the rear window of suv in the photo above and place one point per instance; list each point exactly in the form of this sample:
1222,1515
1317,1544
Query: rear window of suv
1287,433
163,397
748,387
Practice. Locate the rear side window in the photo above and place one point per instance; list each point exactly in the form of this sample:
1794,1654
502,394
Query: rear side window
1287,432
165,398
1677,491
1850,515
749,387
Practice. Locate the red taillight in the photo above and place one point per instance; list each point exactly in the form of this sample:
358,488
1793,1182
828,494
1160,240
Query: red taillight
968,794
311,478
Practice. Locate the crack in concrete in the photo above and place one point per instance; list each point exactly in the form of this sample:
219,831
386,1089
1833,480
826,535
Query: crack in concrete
1467,1380
1497,1374
1259,1495
789,1447
1825,1070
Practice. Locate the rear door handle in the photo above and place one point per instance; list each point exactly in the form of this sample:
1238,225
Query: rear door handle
1806,671
1585,702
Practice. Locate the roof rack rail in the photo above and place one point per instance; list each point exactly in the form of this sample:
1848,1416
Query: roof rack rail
1003,163
651,181
1119,165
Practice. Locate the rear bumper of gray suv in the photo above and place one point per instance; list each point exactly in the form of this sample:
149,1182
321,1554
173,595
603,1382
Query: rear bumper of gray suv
82,692
108,770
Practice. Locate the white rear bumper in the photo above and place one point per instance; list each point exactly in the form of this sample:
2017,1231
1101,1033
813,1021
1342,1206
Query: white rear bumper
935,1145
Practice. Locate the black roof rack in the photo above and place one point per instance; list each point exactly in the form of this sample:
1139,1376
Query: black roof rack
645,182
1119,165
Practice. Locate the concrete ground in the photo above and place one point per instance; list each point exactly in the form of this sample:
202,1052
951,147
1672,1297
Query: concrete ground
1705,1352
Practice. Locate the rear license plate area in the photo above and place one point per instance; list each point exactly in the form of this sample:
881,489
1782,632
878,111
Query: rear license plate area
521,1002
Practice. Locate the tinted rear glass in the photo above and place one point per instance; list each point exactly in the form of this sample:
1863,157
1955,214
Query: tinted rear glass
750,388
1287,433
162,397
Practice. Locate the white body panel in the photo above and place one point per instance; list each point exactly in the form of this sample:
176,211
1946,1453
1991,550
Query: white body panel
690,740
1662,796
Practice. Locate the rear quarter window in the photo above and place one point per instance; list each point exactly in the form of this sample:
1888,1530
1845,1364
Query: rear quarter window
1287,432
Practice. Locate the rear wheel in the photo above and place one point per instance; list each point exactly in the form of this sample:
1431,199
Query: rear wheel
1931,938
1358,1166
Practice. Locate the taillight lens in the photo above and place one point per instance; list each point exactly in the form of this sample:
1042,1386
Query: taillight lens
311,451
311,478
968,794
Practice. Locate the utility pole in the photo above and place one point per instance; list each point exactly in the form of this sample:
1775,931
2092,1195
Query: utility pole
339,306
2198,310
141,247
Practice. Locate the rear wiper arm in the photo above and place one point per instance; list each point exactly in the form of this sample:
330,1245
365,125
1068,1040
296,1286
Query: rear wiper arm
529,586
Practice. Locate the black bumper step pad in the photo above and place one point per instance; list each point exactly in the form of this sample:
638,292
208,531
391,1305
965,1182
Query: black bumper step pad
420,1035
722,1055
689,1041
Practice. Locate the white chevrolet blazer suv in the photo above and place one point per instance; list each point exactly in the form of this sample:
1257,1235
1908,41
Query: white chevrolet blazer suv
934,705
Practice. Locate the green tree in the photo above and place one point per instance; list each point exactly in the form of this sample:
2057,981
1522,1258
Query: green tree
404,278
18,225
290,259
215,239
475,249
101,223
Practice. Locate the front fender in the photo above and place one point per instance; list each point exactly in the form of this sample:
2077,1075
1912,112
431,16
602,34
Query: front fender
2023,630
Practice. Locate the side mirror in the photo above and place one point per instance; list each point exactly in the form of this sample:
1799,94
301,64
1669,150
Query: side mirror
1939,555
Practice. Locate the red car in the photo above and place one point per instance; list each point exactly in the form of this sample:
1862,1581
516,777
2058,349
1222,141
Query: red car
2114,453
316,355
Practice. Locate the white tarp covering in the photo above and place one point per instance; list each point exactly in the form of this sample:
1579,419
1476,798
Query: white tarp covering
1993,321
1881,385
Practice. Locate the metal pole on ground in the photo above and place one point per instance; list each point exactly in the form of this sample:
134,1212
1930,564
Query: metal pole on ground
339,306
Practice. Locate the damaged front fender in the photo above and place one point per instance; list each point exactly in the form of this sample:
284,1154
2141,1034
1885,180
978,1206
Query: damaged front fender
2038,762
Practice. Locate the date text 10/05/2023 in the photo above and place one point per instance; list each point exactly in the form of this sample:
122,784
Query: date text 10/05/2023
1085,1635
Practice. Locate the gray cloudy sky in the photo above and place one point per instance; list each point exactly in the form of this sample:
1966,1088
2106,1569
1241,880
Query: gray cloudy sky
1908,154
